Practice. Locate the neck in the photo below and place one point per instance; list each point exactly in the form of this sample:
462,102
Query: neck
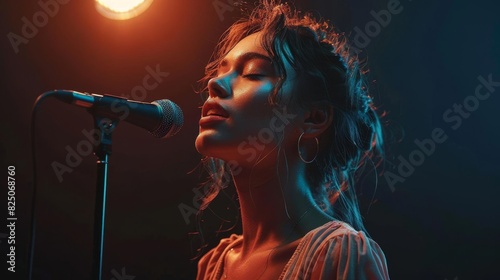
275,210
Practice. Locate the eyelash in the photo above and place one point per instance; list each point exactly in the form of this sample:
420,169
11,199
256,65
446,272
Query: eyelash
253,76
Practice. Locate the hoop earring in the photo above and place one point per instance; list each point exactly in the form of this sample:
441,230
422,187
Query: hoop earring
300,154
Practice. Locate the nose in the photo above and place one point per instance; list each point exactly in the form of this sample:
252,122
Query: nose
219,86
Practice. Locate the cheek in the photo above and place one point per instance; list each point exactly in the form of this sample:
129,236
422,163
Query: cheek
252,115
252,98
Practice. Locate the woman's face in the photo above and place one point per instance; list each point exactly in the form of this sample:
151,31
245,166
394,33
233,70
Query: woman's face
237,121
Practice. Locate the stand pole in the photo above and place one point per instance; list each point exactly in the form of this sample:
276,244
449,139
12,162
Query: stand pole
102,150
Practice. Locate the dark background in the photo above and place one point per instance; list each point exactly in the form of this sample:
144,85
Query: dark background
441,222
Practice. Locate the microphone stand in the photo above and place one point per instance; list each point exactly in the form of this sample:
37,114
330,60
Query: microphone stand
102,150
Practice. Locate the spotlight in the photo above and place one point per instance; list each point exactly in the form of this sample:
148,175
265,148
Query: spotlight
122,9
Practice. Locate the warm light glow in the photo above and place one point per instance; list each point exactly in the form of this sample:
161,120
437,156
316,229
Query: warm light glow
122,9
120,6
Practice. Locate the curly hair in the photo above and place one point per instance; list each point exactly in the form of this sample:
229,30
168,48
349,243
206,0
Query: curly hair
330,73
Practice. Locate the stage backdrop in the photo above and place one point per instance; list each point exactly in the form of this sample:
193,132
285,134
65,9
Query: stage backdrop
434,70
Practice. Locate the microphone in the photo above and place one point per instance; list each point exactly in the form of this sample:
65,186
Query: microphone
162,118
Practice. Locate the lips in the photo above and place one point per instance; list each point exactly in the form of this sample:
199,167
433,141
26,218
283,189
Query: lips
212,108
212,112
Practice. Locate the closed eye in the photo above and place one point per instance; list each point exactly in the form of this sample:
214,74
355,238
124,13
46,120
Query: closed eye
254,77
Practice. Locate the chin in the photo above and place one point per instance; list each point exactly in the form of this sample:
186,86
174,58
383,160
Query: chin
200,145
206,145
210,147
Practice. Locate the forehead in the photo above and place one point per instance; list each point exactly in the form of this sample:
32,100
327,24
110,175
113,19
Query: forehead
251,43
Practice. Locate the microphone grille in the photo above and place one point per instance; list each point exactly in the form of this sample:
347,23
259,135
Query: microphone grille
172,119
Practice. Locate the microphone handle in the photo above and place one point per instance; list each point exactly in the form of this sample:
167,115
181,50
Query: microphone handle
142,114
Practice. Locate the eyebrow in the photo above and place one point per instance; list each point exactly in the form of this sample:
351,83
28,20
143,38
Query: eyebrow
248,56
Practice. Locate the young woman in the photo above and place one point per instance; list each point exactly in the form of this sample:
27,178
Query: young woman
288,117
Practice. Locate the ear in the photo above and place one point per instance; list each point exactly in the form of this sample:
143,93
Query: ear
317,119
